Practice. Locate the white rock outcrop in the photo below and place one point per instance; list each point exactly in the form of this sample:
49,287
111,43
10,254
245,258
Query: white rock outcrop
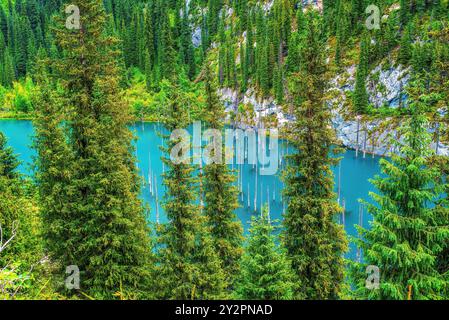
385,88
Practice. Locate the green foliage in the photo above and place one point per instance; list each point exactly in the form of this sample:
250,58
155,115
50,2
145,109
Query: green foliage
360,97
88,184
18,98
22,34
220,196
20,248
11,283
8,161
187,265
266,272
405,53
314,241
407,235
404,11
17,217
86,209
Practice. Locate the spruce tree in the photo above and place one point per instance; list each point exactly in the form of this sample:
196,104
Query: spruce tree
230,63
9,70
17,215
3,23
53,154
8,186
278,83
149,36
405,52
441,88
404,13
263,67
441,211
406,235
213,16
186,46
266,272
341,30
188,266
243,68
97,222
360,99
148,71
23,33
8,161
221,196
250,49
222,54
314,241
296,41
166,45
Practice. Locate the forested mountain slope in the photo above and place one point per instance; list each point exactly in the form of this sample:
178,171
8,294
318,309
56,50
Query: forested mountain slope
369,74
254,45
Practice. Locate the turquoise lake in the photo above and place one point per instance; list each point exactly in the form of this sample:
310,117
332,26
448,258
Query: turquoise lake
351,176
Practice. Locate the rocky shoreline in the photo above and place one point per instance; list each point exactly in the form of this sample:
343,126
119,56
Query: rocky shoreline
385,88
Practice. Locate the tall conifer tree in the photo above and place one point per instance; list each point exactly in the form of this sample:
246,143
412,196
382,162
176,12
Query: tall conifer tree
407,234
315,242
221,197
20,242
188,266
98,223
405,52
266,272
360,99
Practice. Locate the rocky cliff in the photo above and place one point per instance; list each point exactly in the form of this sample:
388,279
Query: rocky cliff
385,87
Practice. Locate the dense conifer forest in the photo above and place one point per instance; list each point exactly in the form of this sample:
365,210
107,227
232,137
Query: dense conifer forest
84,70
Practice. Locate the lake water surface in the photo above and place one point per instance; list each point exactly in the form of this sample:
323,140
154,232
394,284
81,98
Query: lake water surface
351,176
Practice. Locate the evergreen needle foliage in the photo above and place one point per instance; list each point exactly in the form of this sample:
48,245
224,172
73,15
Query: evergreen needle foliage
279,62
221,196
407,234
19,241
188,266
314,241
266,272
88,182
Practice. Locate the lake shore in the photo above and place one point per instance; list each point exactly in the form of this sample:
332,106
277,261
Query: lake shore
12,115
